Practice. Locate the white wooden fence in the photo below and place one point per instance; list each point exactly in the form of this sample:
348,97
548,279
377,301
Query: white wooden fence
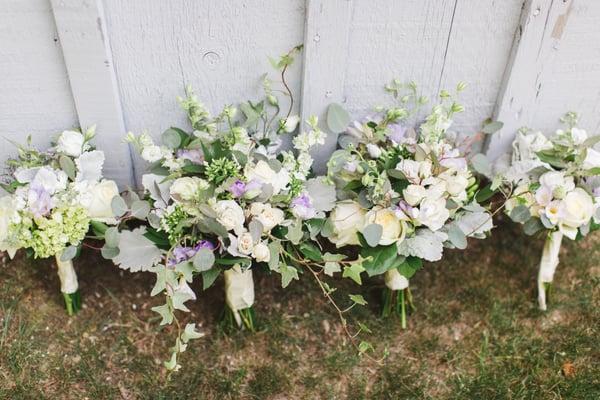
121,63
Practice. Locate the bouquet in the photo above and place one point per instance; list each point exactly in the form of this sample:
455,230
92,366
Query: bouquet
226,197
554,188
54,197
404,193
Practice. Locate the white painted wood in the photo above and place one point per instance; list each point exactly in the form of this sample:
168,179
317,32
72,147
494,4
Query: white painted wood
326,35
538,37
35,97
221,48
478,50
82,30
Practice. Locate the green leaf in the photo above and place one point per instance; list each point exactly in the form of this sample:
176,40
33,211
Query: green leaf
485,194
287,274
209,277
244,262
520,213
591,141
171,365
68,254
111,237
179,298
68,166
274,250
481,164
190,333
331,267
358,299
108,252
380,259
353,272
171,138
186,268
165,312
532,226
457,237
363,347
337,118
310,251
410,266
294,233
204,259
372,234
491,127
256,229
140,209
118,205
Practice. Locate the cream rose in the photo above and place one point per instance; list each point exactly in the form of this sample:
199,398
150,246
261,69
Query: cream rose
393,229
101,195
577,208
267,215
410,169
186,188
230,215
70,143
245,244
347,218
261,253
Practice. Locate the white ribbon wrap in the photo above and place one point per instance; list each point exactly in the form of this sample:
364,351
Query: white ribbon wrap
394,280
548,265
67,276
239,290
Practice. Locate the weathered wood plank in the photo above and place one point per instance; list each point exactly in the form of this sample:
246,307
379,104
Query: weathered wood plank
220,48
35,94
534,48
326,35
82,30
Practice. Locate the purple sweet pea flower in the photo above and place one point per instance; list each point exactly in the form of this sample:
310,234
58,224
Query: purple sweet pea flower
404,209
182,253
396,132
596,192
39,200
237,188
194,156
302,207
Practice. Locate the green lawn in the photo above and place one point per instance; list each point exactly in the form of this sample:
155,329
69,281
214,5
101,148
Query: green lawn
477,334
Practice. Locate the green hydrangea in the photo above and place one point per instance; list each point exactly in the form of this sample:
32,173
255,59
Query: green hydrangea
51,235
220,169
173,222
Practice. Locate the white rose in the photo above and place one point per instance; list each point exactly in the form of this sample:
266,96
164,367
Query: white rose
393,229
374,150
186,188
413,194
592,159
557,179
347,218
456,186
230,215
100,208
70,143
261,253
265,174
579,135
245,243
267,215
433,213
152,153
577,209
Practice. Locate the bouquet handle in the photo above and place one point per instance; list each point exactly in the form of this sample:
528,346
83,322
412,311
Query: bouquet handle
69,285
548,265
239,296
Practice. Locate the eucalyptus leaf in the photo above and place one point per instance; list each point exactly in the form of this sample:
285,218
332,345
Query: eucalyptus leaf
481,164
204,259
492,127
140,209
118,205
171,138
520,213
337,118
372,234
457,237
68,253
68,166
108,252
256,229
111,237
209,277
532,226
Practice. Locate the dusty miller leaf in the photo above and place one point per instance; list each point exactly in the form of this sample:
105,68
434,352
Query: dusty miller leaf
136,252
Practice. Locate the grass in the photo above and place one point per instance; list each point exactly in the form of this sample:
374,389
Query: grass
476,334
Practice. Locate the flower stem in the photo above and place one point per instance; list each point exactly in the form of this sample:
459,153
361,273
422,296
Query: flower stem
72,302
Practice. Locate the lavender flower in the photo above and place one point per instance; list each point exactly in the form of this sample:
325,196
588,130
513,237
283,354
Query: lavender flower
182,253
396,133
194,156
237,188
302,207
39,200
